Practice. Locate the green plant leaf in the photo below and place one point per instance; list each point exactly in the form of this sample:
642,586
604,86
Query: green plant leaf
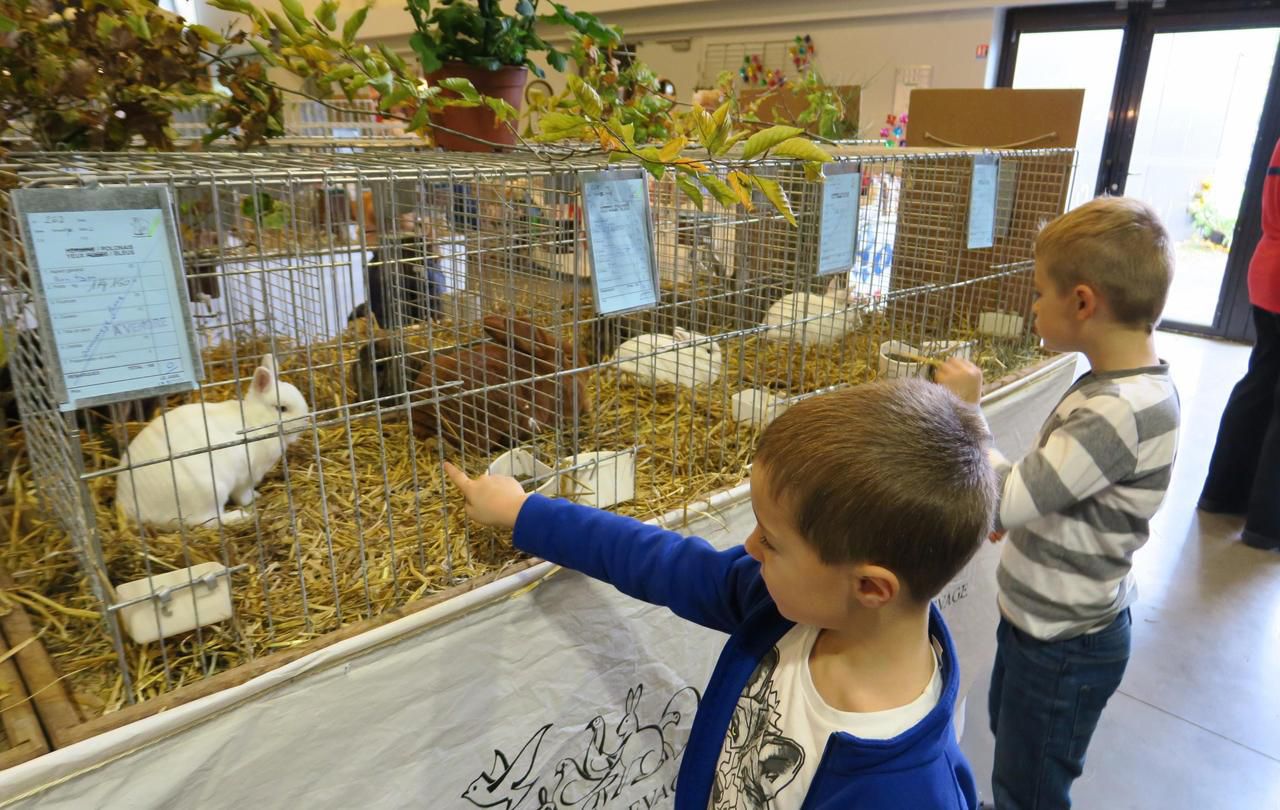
208,34
766,139
297,15
462,87
586,96
106,25
690,190
801,149
719,189
238,6
394,59
352,26
7,25
340,73
776,195
740,182
287,32
259,203
502,111
426,51
419,120
559,126
327,14
263,51
138,25
656,169
275,220
732,140
672,149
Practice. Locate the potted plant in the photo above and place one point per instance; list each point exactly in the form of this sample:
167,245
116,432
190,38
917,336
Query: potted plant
101,75
590,116
493,50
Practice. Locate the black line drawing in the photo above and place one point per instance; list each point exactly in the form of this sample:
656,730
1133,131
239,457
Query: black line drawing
758,761
640,759
507,785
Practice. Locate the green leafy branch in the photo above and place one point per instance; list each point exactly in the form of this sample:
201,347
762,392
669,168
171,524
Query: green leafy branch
592,122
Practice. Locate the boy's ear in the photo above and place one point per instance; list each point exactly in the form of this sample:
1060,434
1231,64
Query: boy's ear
1086,301
874,586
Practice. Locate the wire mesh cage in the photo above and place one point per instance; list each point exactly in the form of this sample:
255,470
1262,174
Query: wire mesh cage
363,317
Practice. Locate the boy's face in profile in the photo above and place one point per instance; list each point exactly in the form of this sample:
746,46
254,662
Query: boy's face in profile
806,590
1053,310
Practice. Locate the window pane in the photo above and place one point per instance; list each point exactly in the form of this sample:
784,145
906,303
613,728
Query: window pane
1073,60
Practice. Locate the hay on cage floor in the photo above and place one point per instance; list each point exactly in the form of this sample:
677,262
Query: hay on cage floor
366,521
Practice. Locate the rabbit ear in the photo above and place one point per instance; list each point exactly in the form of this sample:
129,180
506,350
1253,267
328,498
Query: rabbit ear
682,334
264,380
269,362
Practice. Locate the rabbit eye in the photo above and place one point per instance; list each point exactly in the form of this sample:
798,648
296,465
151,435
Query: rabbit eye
281,408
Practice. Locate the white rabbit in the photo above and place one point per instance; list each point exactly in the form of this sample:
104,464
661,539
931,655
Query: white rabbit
660,358
811,318
193,490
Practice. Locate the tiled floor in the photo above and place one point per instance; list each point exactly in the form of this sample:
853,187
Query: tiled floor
1196,723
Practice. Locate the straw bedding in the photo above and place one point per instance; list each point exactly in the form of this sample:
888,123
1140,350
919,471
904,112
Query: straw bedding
358,518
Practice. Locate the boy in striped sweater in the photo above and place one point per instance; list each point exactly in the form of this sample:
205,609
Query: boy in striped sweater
1078,506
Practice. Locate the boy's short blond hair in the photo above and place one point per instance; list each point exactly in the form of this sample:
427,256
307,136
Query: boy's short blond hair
1116,245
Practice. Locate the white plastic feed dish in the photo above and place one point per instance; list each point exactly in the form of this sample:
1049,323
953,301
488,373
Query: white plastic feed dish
893,368
601,479
183,600
756,406
521,464
1000,324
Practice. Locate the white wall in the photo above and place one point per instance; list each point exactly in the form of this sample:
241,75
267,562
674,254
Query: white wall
861,51
858,41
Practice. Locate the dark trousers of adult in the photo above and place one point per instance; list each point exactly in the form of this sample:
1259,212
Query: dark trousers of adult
1045,701
1244,474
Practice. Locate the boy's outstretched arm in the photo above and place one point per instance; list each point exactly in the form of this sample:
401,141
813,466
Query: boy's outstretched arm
686,574
1093,448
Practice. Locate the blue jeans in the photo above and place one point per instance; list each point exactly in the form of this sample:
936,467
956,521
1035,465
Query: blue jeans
1045,701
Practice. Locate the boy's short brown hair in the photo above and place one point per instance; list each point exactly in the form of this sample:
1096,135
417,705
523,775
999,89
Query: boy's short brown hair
1116,245
892,473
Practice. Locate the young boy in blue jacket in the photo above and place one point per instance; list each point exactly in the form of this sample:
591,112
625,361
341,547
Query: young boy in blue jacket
838,682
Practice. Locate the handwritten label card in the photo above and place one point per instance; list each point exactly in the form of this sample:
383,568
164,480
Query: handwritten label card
620,240
983,190
839,232
111,291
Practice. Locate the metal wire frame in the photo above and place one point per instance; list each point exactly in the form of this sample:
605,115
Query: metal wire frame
439,242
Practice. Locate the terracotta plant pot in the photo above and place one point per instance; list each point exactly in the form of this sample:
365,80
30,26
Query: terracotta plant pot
506,84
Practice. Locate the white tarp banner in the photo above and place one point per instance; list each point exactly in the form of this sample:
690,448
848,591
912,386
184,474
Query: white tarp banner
564,695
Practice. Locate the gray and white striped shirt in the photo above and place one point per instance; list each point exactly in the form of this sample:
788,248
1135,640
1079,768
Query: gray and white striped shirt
1079,506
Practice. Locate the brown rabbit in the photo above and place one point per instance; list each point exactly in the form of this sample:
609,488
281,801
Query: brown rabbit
500,403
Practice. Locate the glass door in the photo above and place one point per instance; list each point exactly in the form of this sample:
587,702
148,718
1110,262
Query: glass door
1051,60
1201,104
1181,109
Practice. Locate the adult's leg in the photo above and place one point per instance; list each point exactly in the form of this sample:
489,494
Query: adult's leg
1262,527
1237,451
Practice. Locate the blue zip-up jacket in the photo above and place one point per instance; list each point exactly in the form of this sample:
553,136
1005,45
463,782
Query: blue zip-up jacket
920,769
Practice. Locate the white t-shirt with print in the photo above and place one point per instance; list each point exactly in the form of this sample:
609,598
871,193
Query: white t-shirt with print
781,725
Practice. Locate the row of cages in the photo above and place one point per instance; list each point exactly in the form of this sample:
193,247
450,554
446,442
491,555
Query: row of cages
363,317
